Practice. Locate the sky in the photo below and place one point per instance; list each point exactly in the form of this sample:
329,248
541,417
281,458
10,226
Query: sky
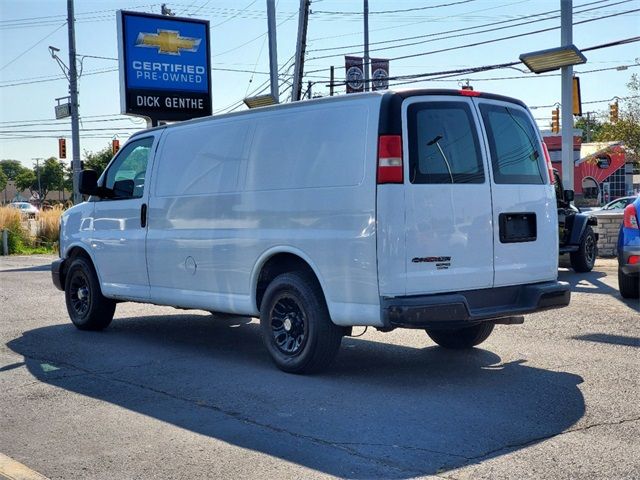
31,80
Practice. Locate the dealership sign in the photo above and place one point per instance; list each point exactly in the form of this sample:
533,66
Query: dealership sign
165,71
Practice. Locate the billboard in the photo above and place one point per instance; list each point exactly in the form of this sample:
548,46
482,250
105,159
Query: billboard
165,71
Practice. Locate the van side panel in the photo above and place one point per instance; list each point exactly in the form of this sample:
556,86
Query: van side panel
295,179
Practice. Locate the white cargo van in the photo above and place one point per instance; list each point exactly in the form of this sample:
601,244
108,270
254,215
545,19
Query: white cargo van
428,209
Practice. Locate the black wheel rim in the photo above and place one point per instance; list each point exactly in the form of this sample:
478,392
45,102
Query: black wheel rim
288,326
80,294
589,249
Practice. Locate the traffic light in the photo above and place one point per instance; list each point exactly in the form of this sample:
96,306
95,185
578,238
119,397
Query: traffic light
62,148
613,112
555,120
115,146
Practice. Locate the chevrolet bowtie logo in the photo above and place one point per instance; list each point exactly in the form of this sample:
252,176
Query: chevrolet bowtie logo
168,41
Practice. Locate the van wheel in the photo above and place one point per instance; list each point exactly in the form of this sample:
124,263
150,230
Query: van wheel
584,259
295,323
629,285
87,307
462,337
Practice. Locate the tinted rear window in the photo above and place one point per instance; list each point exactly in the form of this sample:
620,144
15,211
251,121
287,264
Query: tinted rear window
515,150
443,144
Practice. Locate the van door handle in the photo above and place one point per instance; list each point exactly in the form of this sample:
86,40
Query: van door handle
143,215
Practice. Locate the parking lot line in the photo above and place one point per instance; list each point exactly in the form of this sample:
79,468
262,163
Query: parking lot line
13,470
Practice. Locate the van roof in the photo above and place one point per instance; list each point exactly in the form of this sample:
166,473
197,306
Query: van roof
390,96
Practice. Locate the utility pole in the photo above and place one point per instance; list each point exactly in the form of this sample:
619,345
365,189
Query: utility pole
39,184
273,49
566,37
367,60
301,46
75,114
333,77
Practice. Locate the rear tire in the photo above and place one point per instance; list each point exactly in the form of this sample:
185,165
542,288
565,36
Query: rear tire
295,323
629,285
584,259
87,307
461,338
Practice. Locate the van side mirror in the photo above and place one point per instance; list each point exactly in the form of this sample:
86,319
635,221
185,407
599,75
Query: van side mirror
88,182
568,195
123,189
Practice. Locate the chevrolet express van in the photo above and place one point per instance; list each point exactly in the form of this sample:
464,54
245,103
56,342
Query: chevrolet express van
429,209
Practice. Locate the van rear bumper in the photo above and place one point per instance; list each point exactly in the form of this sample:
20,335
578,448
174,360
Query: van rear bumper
463,309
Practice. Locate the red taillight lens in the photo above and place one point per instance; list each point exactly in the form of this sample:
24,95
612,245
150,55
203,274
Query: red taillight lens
634,259
390,159
547,158
470,93
630,217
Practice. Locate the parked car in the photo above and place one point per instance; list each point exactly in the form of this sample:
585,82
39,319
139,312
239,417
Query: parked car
575,232
25,208
425,209
619,204
629,251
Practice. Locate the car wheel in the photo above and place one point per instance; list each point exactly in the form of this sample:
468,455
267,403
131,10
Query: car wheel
87,307
584,259
295,323
629,285
461,338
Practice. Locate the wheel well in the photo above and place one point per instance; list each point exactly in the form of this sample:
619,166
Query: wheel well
277,265
74,253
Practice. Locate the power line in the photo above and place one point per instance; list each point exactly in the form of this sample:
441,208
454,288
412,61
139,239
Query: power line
32,46
397,11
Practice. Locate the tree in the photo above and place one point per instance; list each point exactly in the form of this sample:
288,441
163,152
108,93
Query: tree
627,128
51,178
98,161
11,168
590,126
3,180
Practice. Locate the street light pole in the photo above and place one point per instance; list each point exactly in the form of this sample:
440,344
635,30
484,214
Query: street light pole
566,14
75,114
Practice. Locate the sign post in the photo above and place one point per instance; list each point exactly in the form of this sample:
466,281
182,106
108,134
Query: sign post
165,70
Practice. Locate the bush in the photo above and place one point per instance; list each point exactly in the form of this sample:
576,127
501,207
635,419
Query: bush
48,224
11,220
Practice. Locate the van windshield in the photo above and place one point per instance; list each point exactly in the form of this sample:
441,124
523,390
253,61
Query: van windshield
515,149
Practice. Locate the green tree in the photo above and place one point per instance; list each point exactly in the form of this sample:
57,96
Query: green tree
11,168
51,178
627,128
3,180
590,126
99,160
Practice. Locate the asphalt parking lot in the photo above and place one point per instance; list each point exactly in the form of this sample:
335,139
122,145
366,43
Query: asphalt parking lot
165,393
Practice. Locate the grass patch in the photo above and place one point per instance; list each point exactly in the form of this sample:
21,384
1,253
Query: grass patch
20,242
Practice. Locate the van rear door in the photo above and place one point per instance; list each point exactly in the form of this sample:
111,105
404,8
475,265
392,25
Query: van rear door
448,212
525,239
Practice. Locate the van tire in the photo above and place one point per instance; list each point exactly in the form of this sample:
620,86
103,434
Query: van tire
296,327
461,338
629,285
87,307
584,259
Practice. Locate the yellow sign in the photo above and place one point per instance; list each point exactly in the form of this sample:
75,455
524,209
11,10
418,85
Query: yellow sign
577,100
168,41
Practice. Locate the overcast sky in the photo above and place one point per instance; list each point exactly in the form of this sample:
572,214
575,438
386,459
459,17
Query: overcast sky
30,79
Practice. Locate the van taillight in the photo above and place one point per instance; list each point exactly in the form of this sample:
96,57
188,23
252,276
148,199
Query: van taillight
630,217
390,159
547,159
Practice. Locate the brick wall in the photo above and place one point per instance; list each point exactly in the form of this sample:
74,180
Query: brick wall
608,228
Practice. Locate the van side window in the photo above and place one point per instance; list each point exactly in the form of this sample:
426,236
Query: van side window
513,144
126,174
443,144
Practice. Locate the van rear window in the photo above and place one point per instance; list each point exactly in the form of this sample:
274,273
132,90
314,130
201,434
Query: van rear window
516,155
443,144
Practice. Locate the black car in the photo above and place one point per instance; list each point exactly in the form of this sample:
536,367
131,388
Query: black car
577,237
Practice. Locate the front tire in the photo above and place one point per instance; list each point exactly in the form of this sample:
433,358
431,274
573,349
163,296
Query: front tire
461,338
295,323
87,307
629,285
585,258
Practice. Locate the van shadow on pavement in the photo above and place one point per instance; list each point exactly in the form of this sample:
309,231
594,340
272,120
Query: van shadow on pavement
382,411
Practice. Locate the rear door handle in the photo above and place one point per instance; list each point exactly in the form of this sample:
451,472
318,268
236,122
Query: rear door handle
143,215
